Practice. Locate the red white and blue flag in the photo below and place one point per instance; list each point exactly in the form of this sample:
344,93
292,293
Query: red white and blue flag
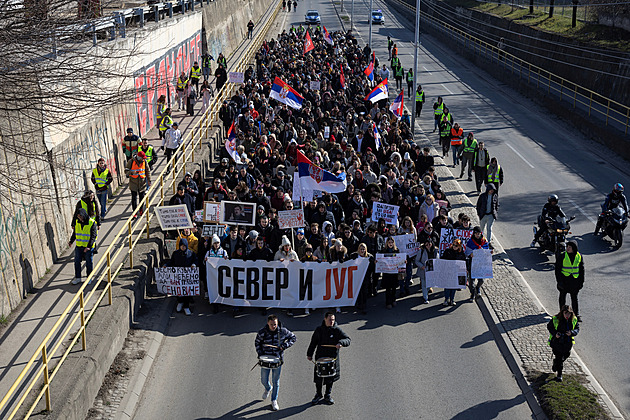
369,71
342,78
313,178
377,136
327,37
379,92
397,106
284,93
308,42
230,145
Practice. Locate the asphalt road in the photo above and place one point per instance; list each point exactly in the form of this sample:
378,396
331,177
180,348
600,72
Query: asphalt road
540,155
416,361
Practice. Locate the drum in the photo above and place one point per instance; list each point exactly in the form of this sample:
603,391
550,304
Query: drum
326,367
270,362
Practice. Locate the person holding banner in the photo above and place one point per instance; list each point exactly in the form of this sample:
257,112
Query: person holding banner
273,339
454,252
390,281
476,241
326,341
285,252
427,252
183,257
215,251
362,252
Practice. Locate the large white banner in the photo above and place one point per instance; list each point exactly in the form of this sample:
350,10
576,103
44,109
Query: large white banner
285,284
447,274
481,265
178,281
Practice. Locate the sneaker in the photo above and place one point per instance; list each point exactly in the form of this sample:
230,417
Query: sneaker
274,405
452,303
445,303
179,308
328,400
76,280
187,311
533,244
266,393
338,309
317,398
579,318
469,179
307,311
290,313
425,301
205,296
559,377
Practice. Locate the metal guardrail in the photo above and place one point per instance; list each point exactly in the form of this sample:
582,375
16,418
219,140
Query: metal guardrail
113,260
609,111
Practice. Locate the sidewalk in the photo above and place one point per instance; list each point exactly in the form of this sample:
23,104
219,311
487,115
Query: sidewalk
32,320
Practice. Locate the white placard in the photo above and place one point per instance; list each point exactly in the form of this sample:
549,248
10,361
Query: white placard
178,281
326,132
236,77
314,85
173,217
407,244
386,211
209,230
198,215
447,236
447,274
291,219
481,264
297,188
211,212
171,246
391,263
285,284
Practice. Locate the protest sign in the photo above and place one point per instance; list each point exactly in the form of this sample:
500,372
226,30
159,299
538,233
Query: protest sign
327,132
386,211
291,219
448,274
285,284
236,77
173,217
407,244
391,263
209,230
297,188
481,265
198,215
171,245
178,281
211,212
447,236
237,213
314,85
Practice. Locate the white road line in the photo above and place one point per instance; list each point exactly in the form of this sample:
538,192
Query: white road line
583,212
447,89
519,155
473,112
427,70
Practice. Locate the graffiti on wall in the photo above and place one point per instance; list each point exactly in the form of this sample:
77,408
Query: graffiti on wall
12,228
160,77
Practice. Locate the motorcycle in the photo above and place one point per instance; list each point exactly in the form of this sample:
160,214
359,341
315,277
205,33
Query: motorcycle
554,239
614,223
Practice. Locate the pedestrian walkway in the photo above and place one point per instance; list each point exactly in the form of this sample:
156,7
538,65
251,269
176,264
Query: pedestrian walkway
36,315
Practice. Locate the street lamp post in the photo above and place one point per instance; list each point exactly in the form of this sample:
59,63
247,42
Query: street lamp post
370,18
415,68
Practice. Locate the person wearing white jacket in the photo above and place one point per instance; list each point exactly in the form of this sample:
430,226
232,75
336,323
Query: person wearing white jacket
171,141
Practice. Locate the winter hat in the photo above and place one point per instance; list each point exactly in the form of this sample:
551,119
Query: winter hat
300,231
407,156
253,234
285,241
183,241
216,239
477,229
490,186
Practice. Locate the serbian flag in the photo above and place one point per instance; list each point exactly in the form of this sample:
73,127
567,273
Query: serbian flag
284,93
312,177
397,106
369,71
230,145
327,37
377,136
379,92
342,79
308,42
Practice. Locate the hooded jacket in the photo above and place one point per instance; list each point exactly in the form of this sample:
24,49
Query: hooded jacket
281,338
569,283
183,258
93,229
324,335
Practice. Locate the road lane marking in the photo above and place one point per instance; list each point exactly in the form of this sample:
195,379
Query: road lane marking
447,89
427,70
473,112
519,155
582,211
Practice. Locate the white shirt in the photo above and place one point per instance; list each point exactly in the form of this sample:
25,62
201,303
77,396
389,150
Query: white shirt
384,74
172,138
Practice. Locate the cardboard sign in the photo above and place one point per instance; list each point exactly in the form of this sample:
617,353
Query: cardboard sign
236,77
386,211
447,274
291,219
297,188
173,217
209,230
178,281
314,85
198,215
481,264
407,244
391,263
447,236
211,212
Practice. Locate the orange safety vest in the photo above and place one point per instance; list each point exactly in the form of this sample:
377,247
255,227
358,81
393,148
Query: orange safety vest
137,170
456,136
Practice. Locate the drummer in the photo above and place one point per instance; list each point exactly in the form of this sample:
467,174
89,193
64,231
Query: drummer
272,340
328,338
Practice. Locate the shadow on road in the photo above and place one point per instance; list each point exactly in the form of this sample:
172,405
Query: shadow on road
489,409
244,411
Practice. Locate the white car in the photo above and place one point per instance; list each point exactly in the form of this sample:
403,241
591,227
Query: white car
377,17
312,17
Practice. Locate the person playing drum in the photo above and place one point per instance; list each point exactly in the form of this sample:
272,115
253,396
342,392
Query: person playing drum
328,338
271,342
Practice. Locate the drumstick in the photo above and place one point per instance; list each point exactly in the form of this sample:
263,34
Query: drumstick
271,345
328,345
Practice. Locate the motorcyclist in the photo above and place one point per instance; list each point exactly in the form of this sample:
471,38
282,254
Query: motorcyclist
616,198
551,210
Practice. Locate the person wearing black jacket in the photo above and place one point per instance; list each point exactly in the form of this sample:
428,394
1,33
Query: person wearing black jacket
261,252
454,252
563,327
233,241
273,339
182,197
570,276
183,257
488,210
326,341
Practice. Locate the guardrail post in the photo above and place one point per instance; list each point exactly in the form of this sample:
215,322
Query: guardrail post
46,378
94,37
140,13
184,157
169,6
627,120
83,337
590,103
146,201
575,97
173,174
156,13
130,245
561,86
161,191
607,111
109,277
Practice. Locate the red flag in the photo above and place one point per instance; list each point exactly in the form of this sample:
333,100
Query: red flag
308,43
342,79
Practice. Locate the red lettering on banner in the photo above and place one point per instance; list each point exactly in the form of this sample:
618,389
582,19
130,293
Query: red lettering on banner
339,282
140,102
351,270
328,294
187,55
161,77
179,62
151,99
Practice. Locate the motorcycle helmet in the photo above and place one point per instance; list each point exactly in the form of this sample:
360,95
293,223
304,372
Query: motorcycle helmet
552,197
618,188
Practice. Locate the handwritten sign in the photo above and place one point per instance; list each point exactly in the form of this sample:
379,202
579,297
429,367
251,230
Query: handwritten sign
447,236
386,211
481,265
291,219
211,211
171,246
209,230
178,281
448,274
314,85
297,188
198,215
236,77
407,244
173,217
391,263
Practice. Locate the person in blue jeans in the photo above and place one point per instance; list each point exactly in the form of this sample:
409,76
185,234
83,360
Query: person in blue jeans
454,252
101,178
84,233
272,340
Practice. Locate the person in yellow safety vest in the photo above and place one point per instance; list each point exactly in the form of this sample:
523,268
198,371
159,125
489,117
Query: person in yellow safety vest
149,152
438,110
399,72
570,276
467,155
160,108
101,178
445,125
395,62
84,232
457,134
166,123
410,80
87,203
419,100
221,60
195,75
495,174
206,65
180,90
562,328
139,180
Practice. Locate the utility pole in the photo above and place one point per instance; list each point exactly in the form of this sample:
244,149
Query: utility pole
370,17
415,68
352,16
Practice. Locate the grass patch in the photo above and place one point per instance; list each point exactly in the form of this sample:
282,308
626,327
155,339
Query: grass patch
3,320
566,400
345,18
